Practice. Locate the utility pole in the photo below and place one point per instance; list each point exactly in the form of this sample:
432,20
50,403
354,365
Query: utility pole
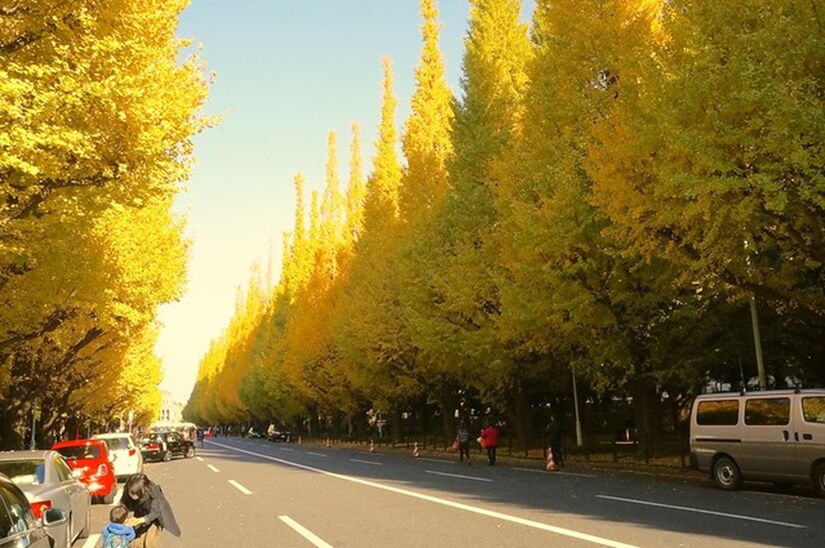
579,441
757,341
35,416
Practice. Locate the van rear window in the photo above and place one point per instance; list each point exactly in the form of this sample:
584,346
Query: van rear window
767,411
718,413
814,409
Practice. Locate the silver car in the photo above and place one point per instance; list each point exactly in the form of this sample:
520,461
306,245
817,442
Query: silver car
18,526
46,480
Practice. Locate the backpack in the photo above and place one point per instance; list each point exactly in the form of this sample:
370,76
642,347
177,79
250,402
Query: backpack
116,541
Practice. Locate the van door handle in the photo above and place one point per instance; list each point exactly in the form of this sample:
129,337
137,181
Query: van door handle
785,435
807,436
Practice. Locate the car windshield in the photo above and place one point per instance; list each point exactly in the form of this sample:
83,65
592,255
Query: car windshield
25,472
79,452
116,443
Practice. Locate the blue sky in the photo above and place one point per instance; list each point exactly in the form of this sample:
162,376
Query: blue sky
287,72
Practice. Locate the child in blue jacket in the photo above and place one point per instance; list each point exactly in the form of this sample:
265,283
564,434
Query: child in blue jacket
116,534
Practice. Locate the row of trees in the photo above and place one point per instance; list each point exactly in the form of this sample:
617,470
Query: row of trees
96,116
607,193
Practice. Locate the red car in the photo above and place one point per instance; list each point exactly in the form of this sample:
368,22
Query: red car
90,459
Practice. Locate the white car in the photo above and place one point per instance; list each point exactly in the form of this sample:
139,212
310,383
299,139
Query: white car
124,453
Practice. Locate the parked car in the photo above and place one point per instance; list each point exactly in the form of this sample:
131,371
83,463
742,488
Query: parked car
18,526
278,433
91,464
777,435
165,445
47,482
124,452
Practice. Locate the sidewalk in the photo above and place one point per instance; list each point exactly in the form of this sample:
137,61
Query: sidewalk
659,467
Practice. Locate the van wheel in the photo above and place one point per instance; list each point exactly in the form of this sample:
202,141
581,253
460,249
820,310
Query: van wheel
819,480
167,456
727,474
190,452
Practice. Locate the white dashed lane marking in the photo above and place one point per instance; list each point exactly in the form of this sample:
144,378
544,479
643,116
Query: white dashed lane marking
475,478
240,487
700,511
304,532
373,463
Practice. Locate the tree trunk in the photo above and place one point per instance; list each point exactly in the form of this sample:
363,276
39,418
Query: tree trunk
645,400
447,402
397,424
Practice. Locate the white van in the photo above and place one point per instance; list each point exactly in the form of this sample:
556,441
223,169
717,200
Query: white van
777,435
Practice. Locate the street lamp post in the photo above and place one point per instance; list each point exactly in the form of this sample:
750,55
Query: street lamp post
35,416
757,341
579,442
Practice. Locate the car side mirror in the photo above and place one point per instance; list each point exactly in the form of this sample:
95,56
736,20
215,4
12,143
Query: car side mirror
52,517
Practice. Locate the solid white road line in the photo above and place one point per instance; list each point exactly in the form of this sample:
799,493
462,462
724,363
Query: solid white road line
118,495
555,473
199,458
316,454
91,541
212,468
445,502
304,532
701,511
476,478
368,462
240,487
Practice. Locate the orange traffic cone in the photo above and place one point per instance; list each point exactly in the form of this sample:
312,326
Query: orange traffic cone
551,462
372,446
416,453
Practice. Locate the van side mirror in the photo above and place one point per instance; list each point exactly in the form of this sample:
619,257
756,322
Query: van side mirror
52,517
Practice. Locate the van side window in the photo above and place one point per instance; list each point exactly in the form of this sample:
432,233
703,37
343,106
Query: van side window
767,411
718,413
814,409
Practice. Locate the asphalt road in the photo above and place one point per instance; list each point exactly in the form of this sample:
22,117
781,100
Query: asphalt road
254,493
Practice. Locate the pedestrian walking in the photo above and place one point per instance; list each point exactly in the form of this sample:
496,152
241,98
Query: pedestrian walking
150,511
489,441
463,439
200,436
555,432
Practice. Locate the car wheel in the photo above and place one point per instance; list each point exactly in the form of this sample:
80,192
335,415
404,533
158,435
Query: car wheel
819,480
726,474
190,452
167,456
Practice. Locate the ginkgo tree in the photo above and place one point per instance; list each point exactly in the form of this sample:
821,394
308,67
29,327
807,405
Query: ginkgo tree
96,121
604,195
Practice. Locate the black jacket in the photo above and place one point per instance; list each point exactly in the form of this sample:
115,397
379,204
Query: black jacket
155,508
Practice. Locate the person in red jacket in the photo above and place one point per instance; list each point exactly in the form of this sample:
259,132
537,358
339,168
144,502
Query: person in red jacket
490,441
